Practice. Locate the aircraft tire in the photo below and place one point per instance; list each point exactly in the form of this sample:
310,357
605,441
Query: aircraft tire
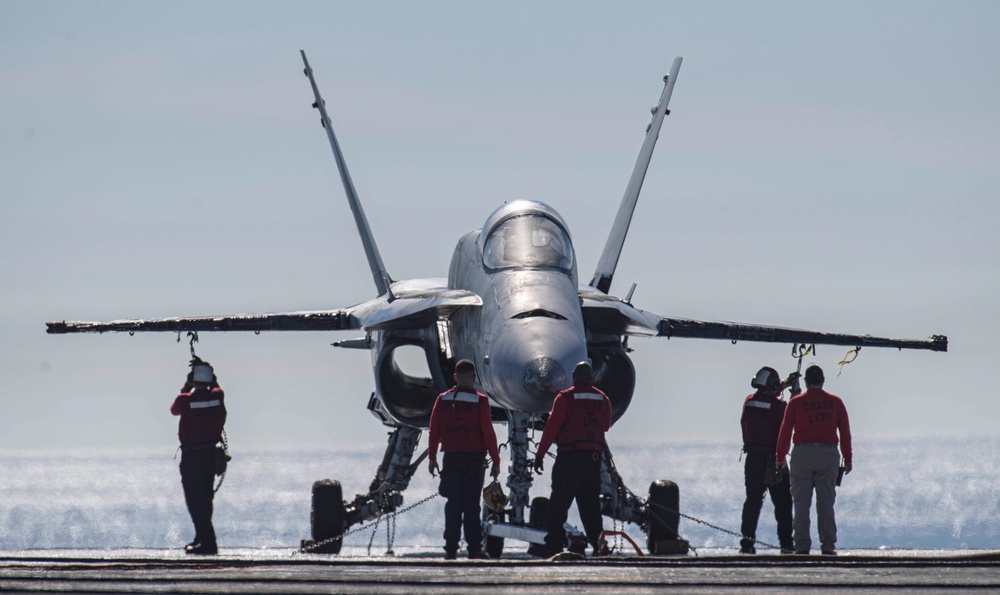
538,518
663,509
328,515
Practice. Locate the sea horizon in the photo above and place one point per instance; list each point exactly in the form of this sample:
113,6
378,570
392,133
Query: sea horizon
906,493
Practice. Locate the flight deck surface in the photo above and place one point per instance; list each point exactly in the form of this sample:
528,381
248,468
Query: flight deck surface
285,571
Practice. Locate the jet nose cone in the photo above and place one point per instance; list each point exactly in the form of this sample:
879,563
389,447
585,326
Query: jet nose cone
543,378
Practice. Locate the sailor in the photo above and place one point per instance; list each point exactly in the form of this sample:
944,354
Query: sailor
202,409
461,424
763,411
580,416
812,422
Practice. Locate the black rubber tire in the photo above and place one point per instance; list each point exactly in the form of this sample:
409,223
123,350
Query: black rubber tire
494,545
328,515
538,518
663,508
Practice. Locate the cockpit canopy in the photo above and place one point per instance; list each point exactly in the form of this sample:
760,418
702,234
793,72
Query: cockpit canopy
528,240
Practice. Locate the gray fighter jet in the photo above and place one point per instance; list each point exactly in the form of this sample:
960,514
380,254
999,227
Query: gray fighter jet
513,304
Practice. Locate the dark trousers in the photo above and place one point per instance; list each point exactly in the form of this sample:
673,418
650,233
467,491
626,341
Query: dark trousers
575,475
781,497
462,475
198,480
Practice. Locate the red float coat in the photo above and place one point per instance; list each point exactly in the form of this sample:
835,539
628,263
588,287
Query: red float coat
761,421
461,422
580,416
203,414
816,416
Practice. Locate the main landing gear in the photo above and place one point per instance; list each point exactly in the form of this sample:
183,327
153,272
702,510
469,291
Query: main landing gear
523,519
332,517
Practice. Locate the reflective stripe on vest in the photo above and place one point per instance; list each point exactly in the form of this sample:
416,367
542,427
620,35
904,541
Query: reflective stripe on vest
759,404
588,396
205,404
461,396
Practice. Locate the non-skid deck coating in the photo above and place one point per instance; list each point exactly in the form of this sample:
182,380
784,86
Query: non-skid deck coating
281,572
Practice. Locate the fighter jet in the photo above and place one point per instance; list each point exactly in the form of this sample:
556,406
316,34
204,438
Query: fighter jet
514,304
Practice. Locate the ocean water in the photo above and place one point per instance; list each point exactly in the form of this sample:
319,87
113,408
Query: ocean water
904,494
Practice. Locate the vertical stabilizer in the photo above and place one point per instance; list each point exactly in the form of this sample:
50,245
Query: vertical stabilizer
613,249
382,279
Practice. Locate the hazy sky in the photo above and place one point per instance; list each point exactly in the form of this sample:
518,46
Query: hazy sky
829,166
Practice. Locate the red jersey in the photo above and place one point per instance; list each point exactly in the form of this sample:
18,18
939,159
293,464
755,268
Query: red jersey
816,417
461,422
203,414
580,417
761,421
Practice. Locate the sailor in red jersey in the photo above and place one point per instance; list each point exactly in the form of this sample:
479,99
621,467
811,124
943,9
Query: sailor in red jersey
461,424
761,420
580,416
202,409
812,421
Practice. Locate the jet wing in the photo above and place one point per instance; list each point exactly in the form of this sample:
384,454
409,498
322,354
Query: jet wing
414,304
700,329
329,320
608,315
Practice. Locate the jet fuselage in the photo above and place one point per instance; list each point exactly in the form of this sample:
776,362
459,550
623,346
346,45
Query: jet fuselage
529,334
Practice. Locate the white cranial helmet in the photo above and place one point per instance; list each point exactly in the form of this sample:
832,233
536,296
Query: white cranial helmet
766,378
203,373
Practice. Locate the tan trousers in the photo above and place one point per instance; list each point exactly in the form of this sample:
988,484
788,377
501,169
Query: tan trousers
814,468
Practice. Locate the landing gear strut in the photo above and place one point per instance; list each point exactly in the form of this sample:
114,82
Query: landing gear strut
519,482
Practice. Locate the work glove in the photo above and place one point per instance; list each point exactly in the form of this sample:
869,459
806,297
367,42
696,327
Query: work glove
539,465
791,378
495,471
433,468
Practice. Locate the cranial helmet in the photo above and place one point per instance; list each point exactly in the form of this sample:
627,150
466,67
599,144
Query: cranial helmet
202,373
583,372
766,378
494,497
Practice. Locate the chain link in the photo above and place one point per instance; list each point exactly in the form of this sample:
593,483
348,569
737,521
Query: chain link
697,520
225,449
371,539
619,529
360,528
646,503
390,530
